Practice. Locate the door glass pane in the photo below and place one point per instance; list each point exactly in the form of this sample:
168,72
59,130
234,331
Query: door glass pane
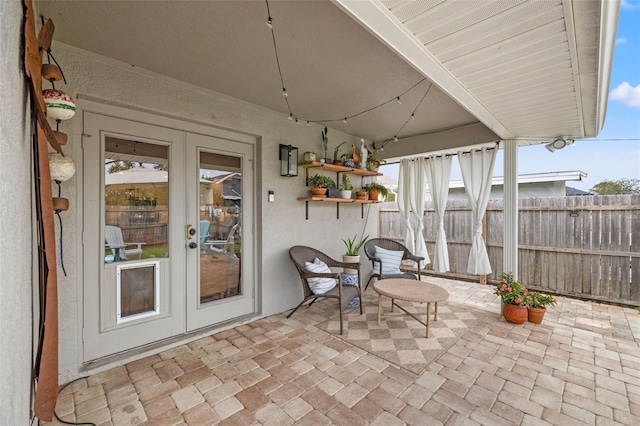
136,200
220,195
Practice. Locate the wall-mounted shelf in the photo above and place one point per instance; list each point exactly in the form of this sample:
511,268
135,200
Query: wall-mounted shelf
339,169
338,201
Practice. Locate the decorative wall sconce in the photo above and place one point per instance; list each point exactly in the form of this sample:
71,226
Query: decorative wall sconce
288,160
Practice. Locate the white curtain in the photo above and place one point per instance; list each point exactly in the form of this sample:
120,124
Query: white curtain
477,172
438,176
411,189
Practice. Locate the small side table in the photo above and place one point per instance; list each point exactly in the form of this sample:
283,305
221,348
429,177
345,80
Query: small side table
410,291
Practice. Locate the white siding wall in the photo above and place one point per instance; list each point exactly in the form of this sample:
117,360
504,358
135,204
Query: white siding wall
16,249
280,224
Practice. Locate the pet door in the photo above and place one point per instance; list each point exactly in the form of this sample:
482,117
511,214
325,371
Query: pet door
137,289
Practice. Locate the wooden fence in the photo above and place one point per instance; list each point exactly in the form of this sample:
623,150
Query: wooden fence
579,246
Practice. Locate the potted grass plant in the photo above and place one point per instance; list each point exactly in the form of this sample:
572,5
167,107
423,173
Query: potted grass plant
353,248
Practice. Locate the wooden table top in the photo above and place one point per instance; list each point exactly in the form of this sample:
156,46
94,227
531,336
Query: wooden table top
410,290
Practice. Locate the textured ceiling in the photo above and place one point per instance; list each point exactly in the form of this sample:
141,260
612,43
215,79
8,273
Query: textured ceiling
512,66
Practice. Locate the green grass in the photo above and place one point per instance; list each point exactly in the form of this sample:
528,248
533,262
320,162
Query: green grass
159,250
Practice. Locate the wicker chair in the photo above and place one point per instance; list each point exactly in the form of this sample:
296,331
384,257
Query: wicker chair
344,293
386,243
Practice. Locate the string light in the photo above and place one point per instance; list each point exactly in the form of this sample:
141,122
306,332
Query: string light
397,99
411,117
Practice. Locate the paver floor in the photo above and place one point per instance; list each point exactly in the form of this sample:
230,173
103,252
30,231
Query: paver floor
581,366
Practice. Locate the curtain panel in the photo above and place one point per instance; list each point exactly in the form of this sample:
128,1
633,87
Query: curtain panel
438,177
477,173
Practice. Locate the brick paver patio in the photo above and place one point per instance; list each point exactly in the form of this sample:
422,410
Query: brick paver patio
581,366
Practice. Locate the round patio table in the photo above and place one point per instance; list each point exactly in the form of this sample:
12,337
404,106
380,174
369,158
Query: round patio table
410,291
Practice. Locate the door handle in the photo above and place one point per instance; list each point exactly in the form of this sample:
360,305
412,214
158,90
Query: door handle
193,245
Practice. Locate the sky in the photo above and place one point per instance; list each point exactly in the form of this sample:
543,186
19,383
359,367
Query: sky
615,153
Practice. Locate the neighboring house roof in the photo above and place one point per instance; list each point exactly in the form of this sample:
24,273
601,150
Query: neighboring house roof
499,180
533,178
136,175
576,192
492,70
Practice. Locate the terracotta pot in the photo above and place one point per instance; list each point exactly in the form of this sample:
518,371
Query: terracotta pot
361,195
536,315
373,194
514,314
318,192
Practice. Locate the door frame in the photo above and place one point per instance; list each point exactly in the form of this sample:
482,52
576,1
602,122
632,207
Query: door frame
83,104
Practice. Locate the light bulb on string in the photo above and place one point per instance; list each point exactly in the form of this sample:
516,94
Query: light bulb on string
398,100
307,123
413,117
297,122
345,120
270,23
291,116
284,93
395,138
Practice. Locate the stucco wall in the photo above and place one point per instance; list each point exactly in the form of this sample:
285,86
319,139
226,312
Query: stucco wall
280,225
15,225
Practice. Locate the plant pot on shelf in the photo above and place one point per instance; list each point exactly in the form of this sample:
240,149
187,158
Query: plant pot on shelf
535,315
350,259
514,314
361,195
318,192
345,194
374,194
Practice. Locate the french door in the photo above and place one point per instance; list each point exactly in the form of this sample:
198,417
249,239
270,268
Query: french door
167,220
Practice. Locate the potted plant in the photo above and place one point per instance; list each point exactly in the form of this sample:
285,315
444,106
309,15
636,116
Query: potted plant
537,305
345,187
320,184
336,154
351,255
512,295
373,160
375,190
325,145
361,194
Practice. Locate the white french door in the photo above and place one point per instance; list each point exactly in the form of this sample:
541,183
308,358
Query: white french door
165,251
220,208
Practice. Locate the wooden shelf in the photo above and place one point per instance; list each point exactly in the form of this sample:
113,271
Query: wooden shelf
337,200
337,168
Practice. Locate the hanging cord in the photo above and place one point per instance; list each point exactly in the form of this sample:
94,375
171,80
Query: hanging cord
64,421
60,220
